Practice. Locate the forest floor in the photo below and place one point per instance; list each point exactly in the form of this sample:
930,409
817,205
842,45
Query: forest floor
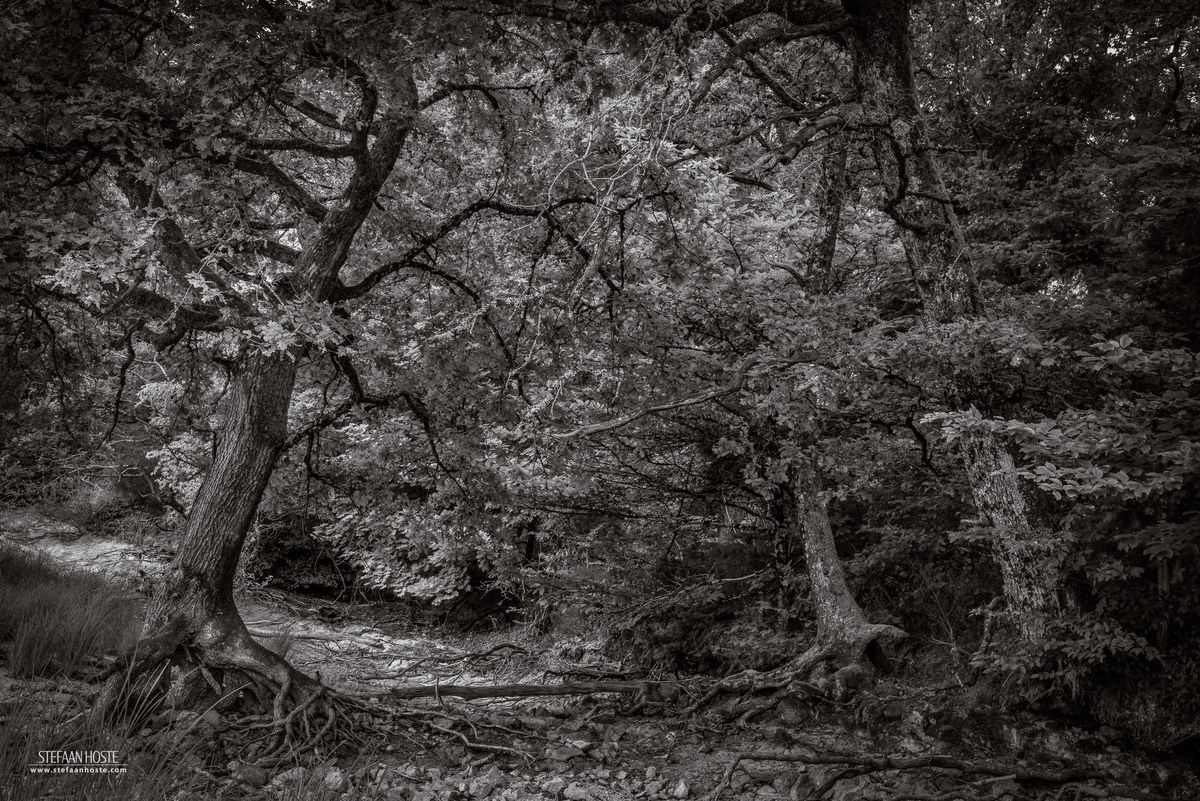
897,742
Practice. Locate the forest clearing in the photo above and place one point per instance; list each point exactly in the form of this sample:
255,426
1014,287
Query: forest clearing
599,399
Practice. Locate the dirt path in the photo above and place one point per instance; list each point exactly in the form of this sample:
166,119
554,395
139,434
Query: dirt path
347,654
576,750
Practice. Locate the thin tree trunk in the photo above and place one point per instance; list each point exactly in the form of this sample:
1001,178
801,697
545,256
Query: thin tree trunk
833,201
838,614
917,200
843,631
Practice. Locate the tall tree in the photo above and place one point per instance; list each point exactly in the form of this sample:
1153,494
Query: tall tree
917,199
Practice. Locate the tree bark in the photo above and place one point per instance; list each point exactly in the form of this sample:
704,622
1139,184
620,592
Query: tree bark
198,587
1029,567
945,281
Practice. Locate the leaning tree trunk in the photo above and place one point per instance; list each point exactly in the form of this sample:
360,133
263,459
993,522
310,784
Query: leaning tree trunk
844,635
193,611
840,661
196,595
194,604
944,278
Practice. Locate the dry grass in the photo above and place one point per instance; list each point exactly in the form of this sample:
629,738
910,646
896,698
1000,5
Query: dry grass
28,724
54,620
54,623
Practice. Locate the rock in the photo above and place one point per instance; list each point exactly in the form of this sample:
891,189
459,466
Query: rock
850,789
483,786
162,720
651,773
563,753
655,787
335,779
56,698
681,790
209,720
251,775
784,781
577,792
792,712
398,793
554,786
296,775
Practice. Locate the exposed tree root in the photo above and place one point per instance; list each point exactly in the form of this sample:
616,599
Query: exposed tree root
846,661
277,712
283,711
862,764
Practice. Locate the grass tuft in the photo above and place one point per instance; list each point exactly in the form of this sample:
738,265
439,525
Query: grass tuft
55,621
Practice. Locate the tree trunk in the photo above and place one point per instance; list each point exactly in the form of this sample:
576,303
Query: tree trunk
198,588
194,605
1028,559
944,279
915,196
833,202
843,631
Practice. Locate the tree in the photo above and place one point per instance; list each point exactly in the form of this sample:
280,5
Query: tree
943,276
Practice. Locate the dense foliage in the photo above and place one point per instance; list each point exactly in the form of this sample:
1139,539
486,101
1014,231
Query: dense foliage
628,274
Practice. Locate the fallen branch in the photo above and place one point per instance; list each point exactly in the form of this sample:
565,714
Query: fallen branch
470,692
473,658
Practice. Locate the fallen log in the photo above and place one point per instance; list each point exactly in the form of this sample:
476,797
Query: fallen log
472,692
